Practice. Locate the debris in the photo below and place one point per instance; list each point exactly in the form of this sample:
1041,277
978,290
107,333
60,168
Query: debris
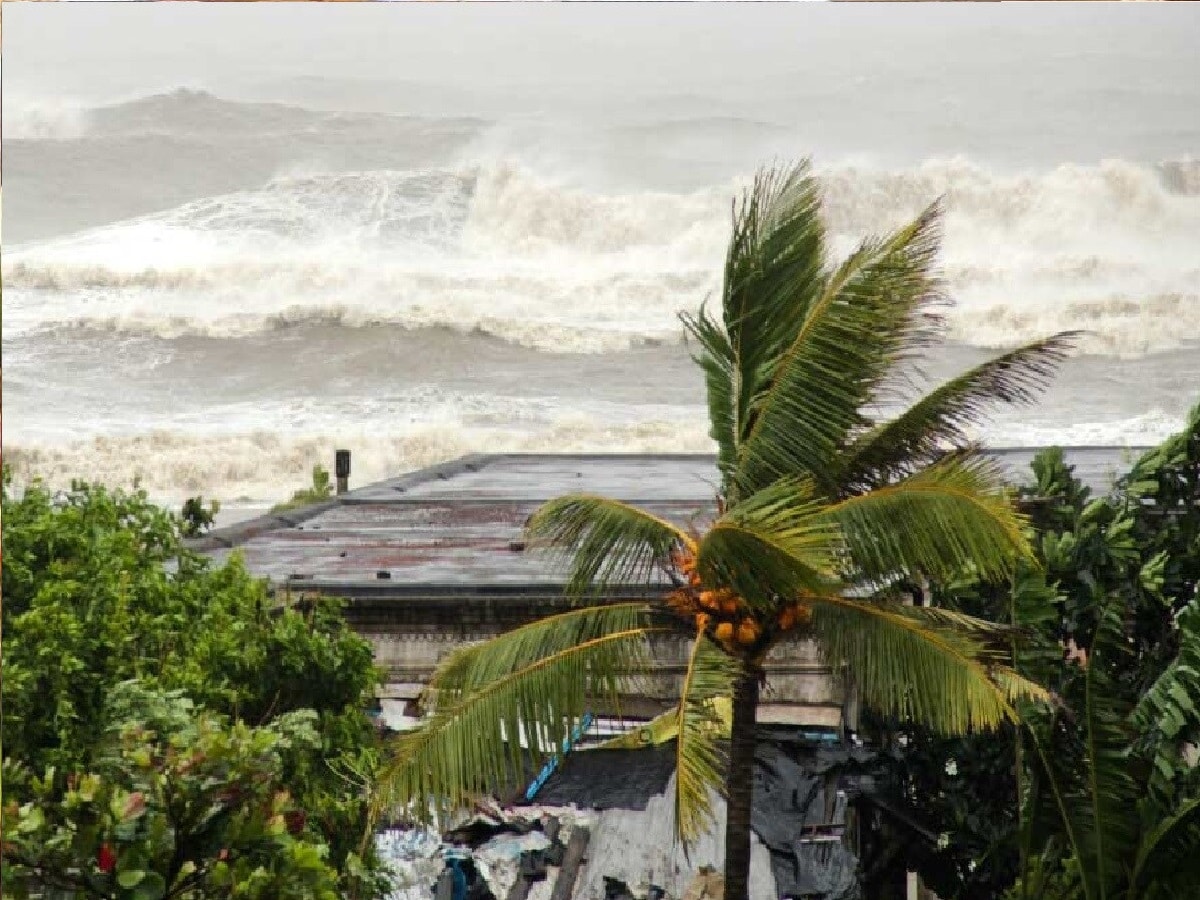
708,884
564,885
605,831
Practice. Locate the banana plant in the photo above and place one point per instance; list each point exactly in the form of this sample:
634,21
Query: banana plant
1111,807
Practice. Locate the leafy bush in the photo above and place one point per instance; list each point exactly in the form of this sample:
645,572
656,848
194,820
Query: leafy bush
180,804
99,589
1112,616
198,518
319,491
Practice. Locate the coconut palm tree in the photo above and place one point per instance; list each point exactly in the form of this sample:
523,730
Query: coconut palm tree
822,509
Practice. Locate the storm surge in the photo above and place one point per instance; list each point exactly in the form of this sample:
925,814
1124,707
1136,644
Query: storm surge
545,264
230,290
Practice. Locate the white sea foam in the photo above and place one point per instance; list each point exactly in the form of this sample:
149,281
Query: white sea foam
266,466
499,249
1024,430
31,118
262,466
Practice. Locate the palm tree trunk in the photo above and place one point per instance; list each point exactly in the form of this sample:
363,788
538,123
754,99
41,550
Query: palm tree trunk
739,786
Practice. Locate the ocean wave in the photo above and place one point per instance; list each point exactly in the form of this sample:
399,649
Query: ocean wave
1146,430
503,250
189,112
261,466
266,466
43,119
1181,176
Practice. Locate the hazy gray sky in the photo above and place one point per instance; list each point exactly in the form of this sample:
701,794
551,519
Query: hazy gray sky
107,50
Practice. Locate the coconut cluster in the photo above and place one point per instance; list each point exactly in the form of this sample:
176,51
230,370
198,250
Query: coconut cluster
722,614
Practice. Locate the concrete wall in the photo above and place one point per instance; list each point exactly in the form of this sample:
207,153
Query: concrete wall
410,642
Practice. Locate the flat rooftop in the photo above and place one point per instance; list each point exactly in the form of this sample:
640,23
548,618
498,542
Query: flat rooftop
457,528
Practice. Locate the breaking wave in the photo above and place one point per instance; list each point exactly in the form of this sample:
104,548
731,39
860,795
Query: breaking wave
499,249
264,466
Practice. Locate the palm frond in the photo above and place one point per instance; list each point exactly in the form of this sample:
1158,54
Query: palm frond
773,273
952,517
477,665
777,541
920,435
603,542
472,745
699,759
906,664
773,269
722,380
867,318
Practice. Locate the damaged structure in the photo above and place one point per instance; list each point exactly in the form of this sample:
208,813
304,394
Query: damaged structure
617,807
436,559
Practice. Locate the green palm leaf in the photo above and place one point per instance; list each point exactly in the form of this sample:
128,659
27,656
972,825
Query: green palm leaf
949,518
482,663
700,762
906,663
776,542
866,319
1109,803
722,379
773,270
919,436
472,743
1096,792
603,542
773,274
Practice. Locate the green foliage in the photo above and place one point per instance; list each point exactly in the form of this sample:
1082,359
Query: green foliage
911,664
1110,811
99,589
700,758
319,491
196,517
602,541
918,437
952,516
798,361
484,694
180,803
1105,790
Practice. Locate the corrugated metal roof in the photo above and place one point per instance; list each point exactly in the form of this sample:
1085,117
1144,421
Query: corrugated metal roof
456,524
459,525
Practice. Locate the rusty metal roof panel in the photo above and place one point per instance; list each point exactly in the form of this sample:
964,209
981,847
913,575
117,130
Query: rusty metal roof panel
457,524
460,524
543,476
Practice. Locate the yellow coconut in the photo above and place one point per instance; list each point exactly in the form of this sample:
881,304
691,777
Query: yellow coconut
724,632
747,632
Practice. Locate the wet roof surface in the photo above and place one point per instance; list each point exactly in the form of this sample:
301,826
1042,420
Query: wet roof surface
460,524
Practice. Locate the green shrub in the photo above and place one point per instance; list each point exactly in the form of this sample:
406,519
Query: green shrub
99,589
319,491
179,803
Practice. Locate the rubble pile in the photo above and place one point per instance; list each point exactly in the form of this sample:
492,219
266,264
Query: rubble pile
605,831
494,855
